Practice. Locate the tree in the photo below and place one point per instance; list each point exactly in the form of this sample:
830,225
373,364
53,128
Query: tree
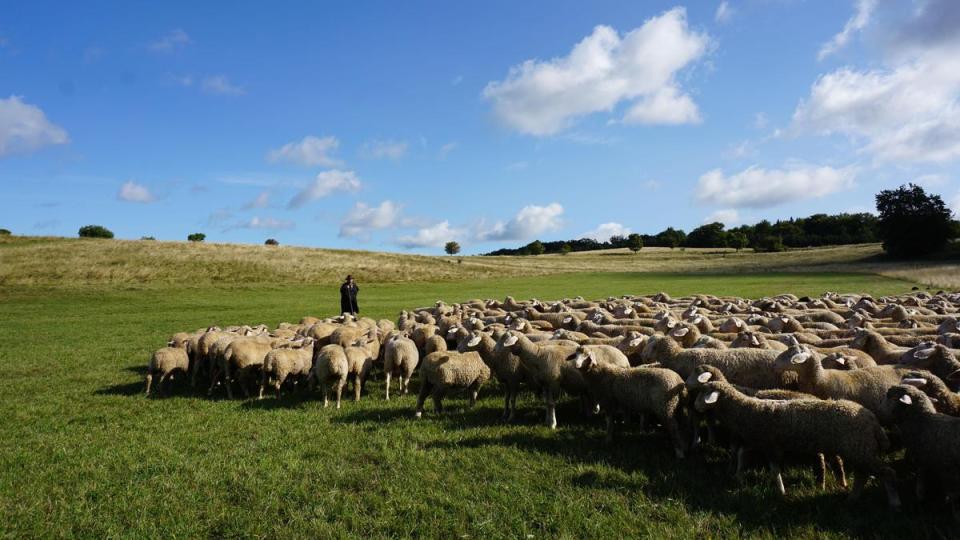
5,232
912,223
707,236
566,249
94,231
147,238
197,237
272,242
452,248
635,242
771,244
738,240
535,247
670,237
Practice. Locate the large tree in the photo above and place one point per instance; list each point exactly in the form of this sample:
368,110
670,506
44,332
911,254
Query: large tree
707,236
912,223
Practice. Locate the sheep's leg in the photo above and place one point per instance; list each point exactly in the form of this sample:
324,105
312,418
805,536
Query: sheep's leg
214,375
474,392
741,455
388,385
438,392
506,405
357,386
609,437
227,381
839,473
163,379
277,384
551,408
673,428
694,429
889,479
424,392
340,384
821,472
777,477
149,381
513,405
196,372
263,383
244,377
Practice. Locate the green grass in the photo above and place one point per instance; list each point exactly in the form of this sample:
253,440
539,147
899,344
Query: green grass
83,453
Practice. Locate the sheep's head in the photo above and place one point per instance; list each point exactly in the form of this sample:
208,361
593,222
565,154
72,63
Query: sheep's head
702,375
860,339
510,339
583,359
475,339
794,358
709,396
904,400
838,361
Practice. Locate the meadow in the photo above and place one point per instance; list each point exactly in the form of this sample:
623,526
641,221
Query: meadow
84,453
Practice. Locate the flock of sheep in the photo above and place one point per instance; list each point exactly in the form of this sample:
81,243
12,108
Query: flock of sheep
841,378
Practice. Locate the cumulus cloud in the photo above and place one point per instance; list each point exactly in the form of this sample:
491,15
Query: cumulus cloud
723,13
311,151
267,223
433,236
362,219
324,184
930,180
262,200
220,85
378,149
604,69
727,216
24,128
856,23
171,41
604,231
131,191
908,110
763,188
531,221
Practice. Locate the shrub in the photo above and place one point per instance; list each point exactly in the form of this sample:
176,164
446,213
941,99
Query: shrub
635,242
913,223
272,242
770,244
738,240
566,249
95,231
197,237
535,247
5,232
452,248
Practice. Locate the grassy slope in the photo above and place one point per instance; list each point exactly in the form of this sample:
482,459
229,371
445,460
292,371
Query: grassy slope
83,453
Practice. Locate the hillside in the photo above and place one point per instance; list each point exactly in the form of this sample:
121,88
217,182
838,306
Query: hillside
69,262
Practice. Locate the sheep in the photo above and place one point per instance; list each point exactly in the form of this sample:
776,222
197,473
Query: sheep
400,358
803,426
330,367
604,354
934,358
932,440
749,367
506,367
164,362
360,362
279,364
755,340
444,370
866,386
944,400
637,390
243,355
434,343
876,346
705,373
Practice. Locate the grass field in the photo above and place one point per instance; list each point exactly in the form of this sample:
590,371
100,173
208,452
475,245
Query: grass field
83,453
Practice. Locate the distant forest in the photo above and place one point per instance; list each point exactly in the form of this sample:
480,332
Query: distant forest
816,230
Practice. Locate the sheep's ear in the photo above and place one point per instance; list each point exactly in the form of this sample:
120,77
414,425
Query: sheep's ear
679,332
671,324
924,353
906,399
754,340
841,360
704,377
799,358
919,382
711,397
635,342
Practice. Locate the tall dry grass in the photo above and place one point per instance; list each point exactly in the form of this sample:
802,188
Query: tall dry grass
67,262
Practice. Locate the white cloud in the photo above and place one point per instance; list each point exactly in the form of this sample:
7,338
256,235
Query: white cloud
171,41
131,191
603,70
262,200
24,128
724,12
267,223
741,150
433,236
531,221
324,184
760,120
363,219
377,149
446,149
762,188
930,180
728,217
857,22
604,231
311,151
220,85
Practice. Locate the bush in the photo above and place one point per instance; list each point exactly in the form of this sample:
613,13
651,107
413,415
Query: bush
5,232
197,237
272,242
566,249
770,244
738,240
535,247
913,223
147,238
452,248
94,231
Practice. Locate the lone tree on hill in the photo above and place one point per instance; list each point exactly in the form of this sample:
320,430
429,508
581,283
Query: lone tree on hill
5,232
913,223
535,247
272,242
635,242
197,237
95,231
452,248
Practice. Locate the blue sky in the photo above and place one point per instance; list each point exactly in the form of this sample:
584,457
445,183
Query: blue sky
401,125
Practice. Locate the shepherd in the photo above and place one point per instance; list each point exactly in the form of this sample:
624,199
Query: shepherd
348,296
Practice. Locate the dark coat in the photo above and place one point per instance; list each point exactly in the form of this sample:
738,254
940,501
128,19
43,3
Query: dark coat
348,298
